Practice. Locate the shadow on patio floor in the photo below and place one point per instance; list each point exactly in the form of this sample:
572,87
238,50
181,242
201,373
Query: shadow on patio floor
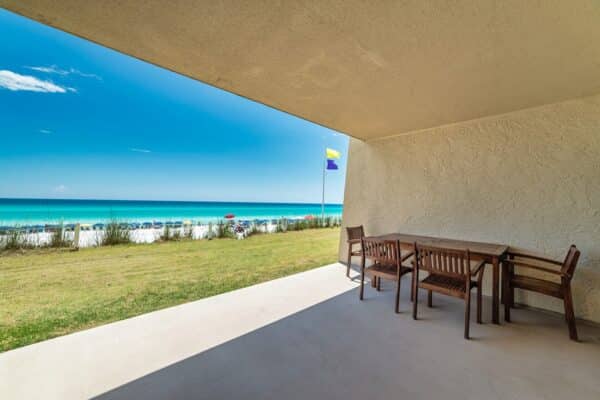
347,349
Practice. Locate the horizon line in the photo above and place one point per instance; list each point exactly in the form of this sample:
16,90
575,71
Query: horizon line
172,201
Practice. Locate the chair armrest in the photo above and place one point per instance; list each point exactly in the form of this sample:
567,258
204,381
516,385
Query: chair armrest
478,268
537,267
533,257
353,241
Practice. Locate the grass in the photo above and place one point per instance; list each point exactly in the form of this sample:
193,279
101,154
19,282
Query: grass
52,292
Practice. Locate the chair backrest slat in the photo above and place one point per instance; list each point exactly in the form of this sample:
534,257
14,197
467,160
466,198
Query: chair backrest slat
442,261
355,232
381,251
570,261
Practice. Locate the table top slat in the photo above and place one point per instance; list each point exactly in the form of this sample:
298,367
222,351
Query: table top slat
488,249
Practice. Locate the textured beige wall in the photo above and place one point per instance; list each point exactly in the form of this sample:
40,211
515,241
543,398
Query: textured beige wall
530,179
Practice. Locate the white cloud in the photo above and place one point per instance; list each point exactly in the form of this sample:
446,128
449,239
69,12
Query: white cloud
49,70
60,188
16,82
53,69
45,131
140,150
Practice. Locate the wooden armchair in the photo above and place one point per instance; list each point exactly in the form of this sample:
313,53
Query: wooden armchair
560,290
354,235
386,259
450,273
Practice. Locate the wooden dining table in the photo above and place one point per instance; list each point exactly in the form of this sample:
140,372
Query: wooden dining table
491,253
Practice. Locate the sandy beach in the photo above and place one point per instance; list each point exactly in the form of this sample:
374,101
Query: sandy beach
91,238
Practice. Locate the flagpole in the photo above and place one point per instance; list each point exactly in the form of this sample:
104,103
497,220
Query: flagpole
323,191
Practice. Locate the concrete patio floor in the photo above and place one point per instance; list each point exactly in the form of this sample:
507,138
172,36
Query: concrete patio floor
308,336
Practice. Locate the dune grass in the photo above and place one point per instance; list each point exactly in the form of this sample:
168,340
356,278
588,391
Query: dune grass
46,293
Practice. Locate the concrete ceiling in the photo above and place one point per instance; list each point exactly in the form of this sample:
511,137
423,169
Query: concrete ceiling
367,68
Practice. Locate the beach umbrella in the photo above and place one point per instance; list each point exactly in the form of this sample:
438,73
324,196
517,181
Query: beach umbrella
229,216
309,217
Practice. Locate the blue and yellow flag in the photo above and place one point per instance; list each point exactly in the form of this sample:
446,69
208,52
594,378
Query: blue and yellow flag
332,154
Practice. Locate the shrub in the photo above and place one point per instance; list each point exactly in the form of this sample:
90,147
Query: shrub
170,233
281,225
115,233
298,225
255,229
188,231
224,230
209,232
166,233
58,239
15,239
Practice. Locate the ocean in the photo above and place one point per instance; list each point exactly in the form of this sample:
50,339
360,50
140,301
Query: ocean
50,211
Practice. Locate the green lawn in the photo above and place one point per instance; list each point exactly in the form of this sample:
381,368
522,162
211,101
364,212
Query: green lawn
48,293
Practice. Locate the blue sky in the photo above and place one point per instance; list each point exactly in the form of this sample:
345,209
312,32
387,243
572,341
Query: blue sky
78,120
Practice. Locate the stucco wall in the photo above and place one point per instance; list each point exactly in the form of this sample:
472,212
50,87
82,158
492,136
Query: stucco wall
366,68
529,179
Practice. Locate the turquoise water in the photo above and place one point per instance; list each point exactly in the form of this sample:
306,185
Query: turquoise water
43,211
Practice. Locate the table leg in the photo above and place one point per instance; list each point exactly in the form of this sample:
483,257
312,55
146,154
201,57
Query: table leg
496,290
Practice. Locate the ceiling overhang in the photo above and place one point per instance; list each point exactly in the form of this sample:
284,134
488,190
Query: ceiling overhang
370,69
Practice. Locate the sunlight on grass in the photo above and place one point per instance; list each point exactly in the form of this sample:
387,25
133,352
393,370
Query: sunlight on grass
48,293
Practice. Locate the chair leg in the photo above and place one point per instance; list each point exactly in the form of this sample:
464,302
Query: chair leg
415,302
429,298
362,282
415,285
479,298
507,299
512,297
511,294
569,313
348,265
412,286
503,279
511,290
378,282
467,313
398,295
